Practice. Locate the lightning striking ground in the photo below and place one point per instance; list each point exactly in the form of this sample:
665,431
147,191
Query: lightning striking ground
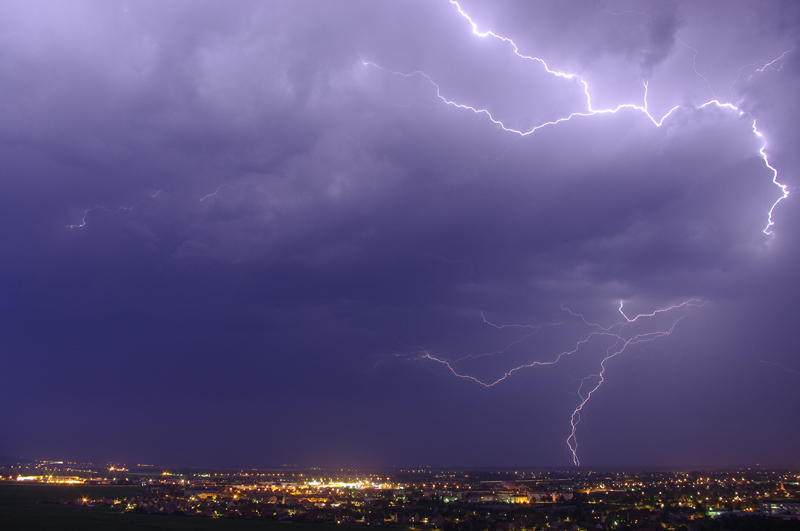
621,339
620,345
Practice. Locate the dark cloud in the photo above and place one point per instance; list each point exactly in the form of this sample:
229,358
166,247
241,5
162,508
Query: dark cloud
275,213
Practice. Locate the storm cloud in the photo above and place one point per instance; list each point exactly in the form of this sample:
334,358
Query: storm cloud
230,231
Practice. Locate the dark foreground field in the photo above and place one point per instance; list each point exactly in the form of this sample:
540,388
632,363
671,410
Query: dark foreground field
34,507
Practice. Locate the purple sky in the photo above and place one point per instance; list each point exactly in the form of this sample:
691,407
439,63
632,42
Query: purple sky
278,232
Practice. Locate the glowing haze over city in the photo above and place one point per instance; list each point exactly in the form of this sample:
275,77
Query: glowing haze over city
398,233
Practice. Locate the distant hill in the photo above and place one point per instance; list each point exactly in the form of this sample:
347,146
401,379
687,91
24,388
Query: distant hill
6,460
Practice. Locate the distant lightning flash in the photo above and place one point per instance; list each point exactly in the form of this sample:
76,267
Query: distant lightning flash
617,333
106,209
215,192
591,111
128,208
775,363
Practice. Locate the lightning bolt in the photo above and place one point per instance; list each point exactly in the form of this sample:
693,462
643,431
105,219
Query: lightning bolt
694,66
589,385
690,302
215,192
106,209
620,345
591,111
767,64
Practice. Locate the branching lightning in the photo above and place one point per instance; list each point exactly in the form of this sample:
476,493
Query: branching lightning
760,69
620,345
690,302
617,333
694,66
591,111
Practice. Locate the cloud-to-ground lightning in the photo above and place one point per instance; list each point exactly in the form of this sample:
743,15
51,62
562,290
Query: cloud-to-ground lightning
591,111
620,345
619,335
106,209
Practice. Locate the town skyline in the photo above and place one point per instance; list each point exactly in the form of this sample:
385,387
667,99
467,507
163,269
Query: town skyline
426,498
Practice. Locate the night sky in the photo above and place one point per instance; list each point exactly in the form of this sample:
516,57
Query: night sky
317,233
